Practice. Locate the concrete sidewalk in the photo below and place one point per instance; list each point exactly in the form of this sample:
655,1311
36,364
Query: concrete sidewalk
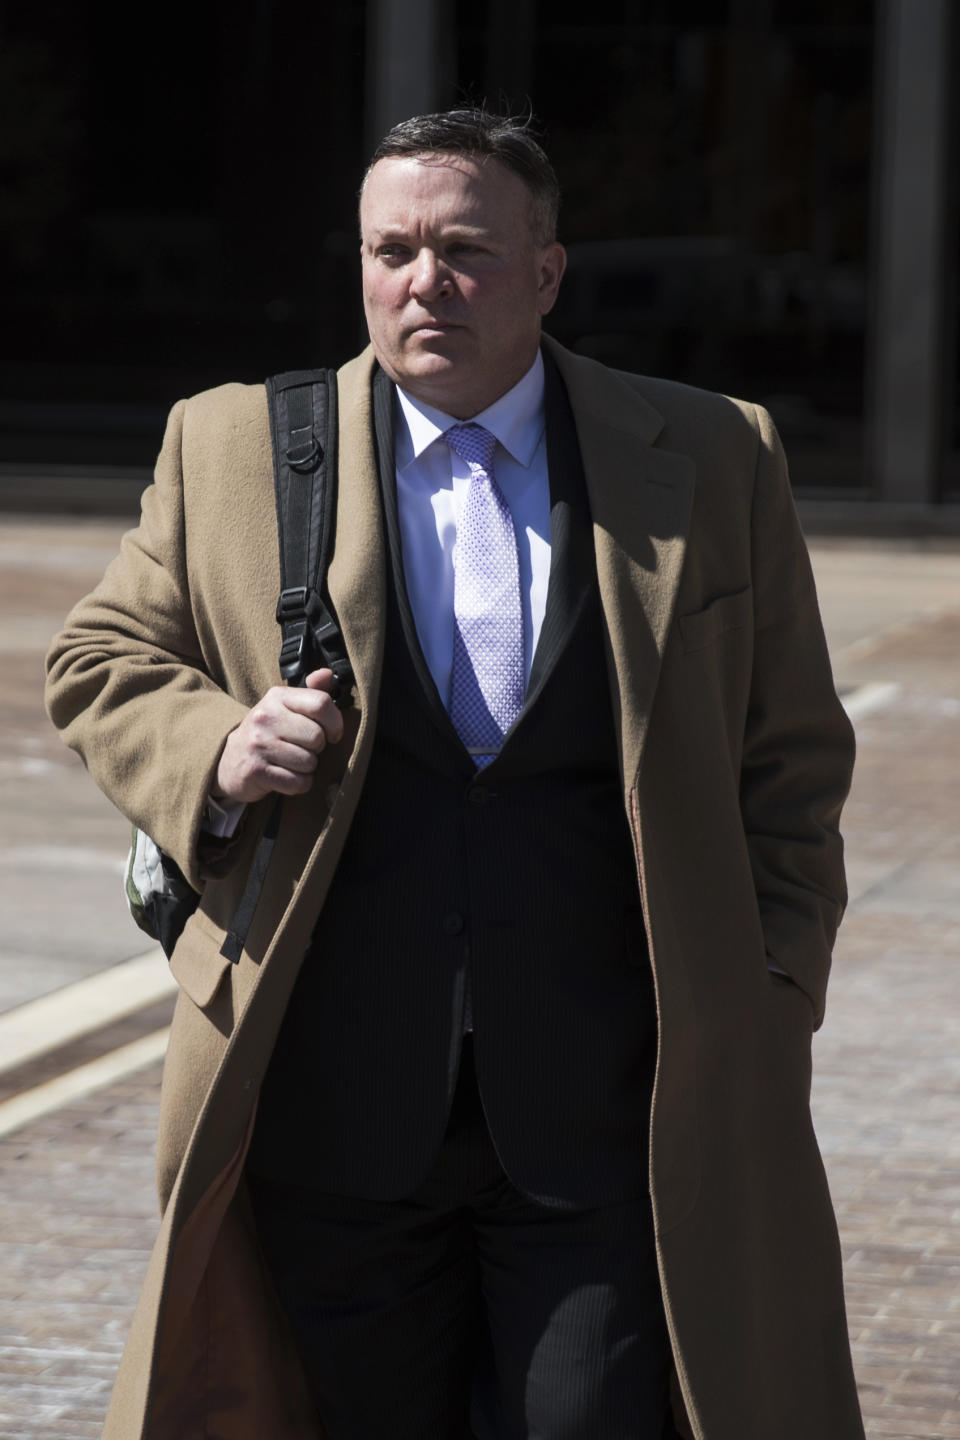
78,1214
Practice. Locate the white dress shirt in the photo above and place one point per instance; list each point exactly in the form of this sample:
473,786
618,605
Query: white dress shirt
432,483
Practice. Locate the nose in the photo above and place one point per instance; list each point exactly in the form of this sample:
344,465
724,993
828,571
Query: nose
430,277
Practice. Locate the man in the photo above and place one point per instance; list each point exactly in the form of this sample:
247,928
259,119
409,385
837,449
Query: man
500,1126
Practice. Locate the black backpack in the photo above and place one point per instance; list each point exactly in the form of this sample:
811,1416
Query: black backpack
303,429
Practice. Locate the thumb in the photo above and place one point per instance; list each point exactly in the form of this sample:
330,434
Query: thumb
319,680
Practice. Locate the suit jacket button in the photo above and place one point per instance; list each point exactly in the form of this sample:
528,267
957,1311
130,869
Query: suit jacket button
453,923
478,794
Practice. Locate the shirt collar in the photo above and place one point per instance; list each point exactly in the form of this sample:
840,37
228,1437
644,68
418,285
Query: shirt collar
516,419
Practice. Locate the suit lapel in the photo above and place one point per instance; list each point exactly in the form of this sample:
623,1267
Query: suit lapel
640,500
384,424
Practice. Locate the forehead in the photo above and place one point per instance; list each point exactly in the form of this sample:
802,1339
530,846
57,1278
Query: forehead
404,190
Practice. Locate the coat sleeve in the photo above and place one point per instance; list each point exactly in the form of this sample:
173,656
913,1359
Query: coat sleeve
798,743
126,681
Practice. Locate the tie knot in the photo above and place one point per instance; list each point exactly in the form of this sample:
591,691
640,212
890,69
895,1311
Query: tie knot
473,444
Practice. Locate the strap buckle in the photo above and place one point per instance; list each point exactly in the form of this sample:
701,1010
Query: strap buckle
311,637
294,604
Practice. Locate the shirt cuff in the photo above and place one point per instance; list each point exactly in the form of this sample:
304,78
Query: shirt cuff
222,817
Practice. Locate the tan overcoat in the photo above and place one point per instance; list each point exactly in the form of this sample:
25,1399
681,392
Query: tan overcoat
736,759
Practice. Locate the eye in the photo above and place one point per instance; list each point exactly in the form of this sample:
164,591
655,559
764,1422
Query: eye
393,253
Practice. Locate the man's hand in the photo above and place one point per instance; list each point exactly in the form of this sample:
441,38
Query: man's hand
275,747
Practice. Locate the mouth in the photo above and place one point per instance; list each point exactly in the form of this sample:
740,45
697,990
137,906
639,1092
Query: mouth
426,328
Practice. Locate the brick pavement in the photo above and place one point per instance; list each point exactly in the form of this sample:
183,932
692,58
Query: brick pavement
887,1074
77,1187
78,1221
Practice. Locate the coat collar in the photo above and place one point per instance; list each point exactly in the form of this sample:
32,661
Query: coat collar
640,499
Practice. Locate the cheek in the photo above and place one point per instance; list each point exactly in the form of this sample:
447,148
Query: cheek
519,293
381,295
472,291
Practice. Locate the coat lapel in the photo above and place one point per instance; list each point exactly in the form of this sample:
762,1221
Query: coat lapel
640,500
426,689
357,573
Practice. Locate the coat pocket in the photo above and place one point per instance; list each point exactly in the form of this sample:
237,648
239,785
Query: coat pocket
196,963
726,612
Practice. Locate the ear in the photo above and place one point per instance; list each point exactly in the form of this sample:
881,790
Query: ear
553,262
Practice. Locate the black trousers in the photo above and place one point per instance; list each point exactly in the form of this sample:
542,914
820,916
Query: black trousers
467,1309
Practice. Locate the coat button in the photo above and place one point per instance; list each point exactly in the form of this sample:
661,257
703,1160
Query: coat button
478,794
453,923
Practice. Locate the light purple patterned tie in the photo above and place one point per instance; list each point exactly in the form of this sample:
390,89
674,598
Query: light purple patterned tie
487,679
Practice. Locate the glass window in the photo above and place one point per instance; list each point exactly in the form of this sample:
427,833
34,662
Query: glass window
175,212
715,162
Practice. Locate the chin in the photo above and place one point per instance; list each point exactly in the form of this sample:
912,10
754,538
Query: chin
425,368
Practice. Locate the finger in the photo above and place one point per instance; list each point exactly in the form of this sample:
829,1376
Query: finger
285,782
290,727
295,715
248,772
316,705
325,680
296,758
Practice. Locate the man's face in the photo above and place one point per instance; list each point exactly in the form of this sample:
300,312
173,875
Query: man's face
454,281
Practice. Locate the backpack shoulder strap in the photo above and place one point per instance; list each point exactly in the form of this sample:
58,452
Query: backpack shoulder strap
303,431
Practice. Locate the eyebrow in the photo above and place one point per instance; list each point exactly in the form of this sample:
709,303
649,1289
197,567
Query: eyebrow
399,232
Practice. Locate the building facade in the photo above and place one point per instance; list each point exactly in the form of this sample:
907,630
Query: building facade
758,197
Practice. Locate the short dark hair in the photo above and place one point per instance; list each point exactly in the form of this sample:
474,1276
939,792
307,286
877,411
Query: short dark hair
476,131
